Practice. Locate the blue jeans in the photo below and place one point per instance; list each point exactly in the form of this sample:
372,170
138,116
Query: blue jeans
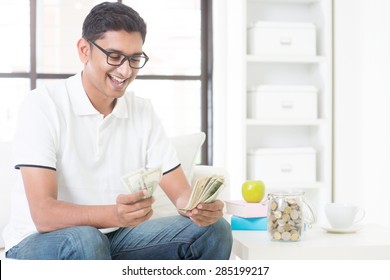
174,237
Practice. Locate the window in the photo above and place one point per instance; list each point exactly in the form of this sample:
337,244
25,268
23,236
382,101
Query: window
177,78
15,64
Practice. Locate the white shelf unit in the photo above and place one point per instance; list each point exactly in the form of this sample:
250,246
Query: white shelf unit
280,70
285,59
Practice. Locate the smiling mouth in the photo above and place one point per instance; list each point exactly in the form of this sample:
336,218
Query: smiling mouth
116,80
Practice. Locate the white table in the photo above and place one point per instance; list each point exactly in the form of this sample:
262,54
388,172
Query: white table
370,242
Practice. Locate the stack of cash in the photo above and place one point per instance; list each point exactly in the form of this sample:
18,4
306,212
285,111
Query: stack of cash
206,190
142,179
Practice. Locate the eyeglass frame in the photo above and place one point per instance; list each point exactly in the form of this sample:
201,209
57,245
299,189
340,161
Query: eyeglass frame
125,57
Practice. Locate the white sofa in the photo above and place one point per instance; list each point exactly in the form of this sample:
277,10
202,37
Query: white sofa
7,180
187,147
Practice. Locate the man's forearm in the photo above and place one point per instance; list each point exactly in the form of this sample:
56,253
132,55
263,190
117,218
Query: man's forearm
56,214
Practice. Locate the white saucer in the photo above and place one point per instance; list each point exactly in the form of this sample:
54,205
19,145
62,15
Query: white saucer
352,229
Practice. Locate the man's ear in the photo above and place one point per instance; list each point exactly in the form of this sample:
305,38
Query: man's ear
83,49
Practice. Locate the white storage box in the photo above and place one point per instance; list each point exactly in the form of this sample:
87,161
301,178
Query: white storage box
282,102
281,38
282,165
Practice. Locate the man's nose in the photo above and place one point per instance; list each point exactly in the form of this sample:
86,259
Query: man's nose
125,70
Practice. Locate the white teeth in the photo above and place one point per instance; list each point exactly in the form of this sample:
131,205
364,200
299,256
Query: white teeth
117,79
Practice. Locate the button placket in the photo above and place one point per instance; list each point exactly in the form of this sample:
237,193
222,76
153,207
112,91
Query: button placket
99,128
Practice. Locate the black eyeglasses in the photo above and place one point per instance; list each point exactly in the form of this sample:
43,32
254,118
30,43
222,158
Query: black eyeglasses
137,61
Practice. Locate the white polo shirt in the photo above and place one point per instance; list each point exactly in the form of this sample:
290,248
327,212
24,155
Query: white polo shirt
59,129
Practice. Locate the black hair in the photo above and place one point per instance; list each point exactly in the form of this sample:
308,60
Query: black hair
112,16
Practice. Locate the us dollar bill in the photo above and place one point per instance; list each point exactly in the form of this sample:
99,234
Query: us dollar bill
206,190
142,179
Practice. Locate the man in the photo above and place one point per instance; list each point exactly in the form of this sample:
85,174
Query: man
75,140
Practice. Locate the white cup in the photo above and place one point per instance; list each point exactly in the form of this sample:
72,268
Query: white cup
343,215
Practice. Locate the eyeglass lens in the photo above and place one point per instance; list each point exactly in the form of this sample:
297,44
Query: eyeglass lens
136,61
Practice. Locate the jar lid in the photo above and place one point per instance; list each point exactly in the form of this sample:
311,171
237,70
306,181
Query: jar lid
287,193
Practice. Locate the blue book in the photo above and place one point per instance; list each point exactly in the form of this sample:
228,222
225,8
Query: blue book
240,223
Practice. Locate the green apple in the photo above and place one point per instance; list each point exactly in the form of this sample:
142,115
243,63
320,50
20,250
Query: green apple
253,190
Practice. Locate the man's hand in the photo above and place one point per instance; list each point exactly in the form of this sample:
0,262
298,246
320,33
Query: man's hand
176,186
206,213
133,209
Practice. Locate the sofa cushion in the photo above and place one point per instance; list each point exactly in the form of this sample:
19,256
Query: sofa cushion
187,148
7,179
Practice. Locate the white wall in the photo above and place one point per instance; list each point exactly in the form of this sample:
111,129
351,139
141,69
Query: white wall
219,81
228,83
361,105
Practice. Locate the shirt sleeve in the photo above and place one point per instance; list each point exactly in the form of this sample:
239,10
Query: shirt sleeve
35,138
160,151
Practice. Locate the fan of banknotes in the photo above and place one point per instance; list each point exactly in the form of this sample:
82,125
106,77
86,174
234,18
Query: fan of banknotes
142,179
206,190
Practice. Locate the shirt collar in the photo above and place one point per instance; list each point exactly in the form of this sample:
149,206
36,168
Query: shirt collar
83,106
121,109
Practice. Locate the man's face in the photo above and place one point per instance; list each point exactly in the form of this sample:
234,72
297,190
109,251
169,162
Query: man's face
104,81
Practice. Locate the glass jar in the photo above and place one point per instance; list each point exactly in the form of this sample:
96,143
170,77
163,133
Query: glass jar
288,215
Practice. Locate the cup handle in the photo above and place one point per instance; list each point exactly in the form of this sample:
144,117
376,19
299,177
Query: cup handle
360,214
